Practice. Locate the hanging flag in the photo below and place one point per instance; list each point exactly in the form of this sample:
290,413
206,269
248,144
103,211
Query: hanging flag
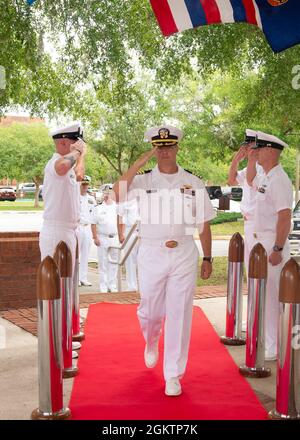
279,19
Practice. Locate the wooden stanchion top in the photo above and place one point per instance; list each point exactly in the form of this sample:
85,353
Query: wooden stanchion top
63,259
289,286
48,285
258,262
236,249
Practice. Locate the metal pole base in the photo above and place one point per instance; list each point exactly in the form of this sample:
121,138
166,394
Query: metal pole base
63,414
275,415
79,337
255,372
232,341
68,373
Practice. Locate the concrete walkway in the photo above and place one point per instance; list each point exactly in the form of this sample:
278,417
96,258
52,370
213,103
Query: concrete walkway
18,365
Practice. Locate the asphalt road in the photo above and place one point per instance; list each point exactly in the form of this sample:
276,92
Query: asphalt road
13,221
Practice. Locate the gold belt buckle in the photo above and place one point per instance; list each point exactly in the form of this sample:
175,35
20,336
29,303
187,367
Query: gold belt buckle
171,243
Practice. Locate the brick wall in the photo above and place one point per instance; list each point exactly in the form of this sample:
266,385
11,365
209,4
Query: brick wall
19,261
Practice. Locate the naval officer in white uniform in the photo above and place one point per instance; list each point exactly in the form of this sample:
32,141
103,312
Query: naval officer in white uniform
61,193
61,190
128,216
105,234
87,205
172,203
237,177
272,222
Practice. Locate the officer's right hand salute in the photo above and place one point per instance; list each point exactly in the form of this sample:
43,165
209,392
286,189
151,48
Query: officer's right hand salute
80,146
144,158
121,186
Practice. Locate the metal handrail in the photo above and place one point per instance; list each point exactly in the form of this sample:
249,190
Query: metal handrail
119,262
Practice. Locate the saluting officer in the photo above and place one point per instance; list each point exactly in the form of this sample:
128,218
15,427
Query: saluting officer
61,190
105,234
272,223
172,202
240,178
128,216
87,204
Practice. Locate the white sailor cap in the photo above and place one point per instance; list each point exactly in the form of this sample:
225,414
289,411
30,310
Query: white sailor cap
72,131
86,180
163,135
106,187
268,140
250,135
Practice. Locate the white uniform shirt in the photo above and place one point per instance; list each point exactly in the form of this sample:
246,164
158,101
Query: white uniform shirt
274,192
129,212
170,205
87,204
249,193
105,217
60,194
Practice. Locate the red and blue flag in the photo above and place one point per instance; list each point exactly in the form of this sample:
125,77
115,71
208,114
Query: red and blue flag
278,19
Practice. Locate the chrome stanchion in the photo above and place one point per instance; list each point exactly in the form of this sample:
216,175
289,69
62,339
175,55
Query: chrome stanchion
288,362
50,361
255,341
78,335
234,308
63,259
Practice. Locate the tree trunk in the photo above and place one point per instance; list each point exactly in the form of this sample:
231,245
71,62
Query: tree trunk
36,198
297,176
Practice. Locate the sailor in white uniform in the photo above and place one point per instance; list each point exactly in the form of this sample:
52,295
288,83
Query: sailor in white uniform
61,193
87,205
128,216
105,234
240,178
172,203
272,222
61,190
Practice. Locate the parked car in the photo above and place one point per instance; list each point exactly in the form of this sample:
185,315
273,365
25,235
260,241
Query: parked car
236,193
28,187
7,193
294,235
214,192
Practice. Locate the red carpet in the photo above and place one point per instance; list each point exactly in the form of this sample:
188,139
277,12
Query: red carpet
114,384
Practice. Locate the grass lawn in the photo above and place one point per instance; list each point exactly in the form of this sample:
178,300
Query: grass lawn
229,228
219,273
20,206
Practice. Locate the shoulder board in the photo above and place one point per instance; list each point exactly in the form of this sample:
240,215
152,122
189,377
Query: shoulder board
143,172
188,171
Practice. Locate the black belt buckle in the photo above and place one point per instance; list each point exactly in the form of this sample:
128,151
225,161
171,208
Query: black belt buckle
110,236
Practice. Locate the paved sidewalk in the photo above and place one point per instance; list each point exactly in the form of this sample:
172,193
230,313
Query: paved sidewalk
26,318
18,379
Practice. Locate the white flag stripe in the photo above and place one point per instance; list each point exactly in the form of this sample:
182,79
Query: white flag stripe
226,11
257,14
180,14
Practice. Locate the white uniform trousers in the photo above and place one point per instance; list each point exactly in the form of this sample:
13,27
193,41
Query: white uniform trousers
248,240
272,289
167,279
131,262
85,240
108,272
52,233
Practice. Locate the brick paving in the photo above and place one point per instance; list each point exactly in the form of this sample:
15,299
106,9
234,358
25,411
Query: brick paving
26,318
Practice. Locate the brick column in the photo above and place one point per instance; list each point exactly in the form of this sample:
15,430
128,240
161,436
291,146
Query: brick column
19,261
